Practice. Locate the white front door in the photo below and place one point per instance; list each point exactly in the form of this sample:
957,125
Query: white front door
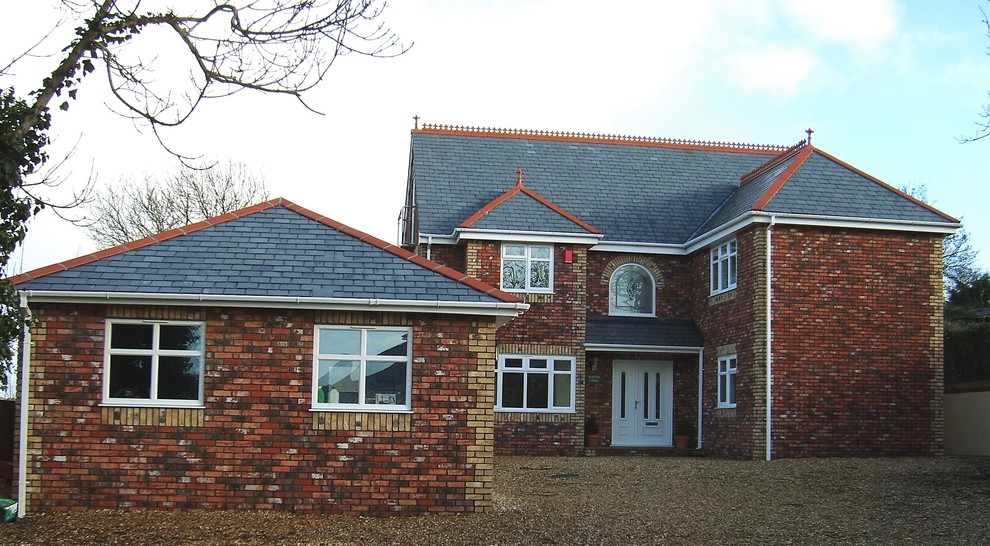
642,403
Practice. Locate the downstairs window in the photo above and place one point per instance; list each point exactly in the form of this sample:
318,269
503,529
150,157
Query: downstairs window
153,363
362,368
535,383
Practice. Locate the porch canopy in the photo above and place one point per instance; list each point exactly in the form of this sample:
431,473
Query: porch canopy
643,335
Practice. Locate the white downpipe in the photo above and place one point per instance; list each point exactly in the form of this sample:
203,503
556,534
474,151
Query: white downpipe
429,247
769,417
22,454
701,406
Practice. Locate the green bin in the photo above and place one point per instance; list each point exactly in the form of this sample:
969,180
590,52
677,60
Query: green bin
8,510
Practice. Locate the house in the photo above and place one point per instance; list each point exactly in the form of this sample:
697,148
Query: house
771,301
270,358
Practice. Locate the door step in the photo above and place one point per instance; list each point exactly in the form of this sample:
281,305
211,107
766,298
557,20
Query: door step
642,451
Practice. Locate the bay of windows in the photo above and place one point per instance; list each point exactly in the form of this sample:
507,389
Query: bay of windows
154,363
535,383
362,368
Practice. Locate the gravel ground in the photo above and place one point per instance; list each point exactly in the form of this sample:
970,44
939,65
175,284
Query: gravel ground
614,500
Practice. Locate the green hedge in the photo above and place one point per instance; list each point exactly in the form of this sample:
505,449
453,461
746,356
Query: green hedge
967,352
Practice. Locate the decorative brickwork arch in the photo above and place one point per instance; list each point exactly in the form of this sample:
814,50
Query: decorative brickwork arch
635,272
624,259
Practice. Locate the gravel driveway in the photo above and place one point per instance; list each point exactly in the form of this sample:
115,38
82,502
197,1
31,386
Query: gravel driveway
614,500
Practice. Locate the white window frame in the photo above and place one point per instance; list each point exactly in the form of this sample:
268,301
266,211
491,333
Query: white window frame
527,369
363,358
724,263
727,373
529,259
653,292
155,352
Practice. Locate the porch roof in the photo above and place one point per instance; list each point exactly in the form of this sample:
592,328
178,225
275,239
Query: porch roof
647,334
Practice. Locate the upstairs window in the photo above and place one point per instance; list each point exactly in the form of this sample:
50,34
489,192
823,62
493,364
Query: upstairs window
527,268
153,363
535,383
631,291
362,368
727,381
724,267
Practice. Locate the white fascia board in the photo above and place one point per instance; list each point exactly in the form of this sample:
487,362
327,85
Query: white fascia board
526,236
498,309
640,248
941,228
449,239
614,348
811,220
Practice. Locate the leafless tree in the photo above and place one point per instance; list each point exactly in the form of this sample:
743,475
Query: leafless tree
131,210
274,46
220,47
959,258
983,124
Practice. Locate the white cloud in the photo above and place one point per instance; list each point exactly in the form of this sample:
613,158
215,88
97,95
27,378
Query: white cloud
776,68
863,26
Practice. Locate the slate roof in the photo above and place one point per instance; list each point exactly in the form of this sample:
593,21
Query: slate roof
643,332
274,249
637,190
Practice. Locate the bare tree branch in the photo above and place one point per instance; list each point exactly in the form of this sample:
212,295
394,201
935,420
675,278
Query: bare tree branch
983,127
131,210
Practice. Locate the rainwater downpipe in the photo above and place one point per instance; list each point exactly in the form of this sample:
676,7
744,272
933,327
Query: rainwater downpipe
769,348
429,247
701,406
22,454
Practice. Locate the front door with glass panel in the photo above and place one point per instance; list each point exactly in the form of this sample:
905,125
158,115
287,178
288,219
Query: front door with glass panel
642,403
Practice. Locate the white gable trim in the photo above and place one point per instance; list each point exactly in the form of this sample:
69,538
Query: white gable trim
524,236
618,348
702,241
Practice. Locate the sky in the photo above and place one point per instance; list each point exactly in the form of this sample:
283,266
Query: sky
888,86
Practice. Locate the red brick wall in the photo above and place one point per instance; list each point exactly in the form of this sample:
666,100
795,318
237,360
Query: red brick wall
256,445
857,343
553,325
673,274
734,322
448,255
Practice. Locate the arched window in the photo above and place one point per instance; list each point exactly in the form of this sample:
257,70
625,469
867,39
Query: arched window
631,291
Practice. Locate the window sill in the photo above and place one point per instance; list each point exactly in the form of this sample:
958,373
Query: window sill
406,411
727,295
521,410
152,405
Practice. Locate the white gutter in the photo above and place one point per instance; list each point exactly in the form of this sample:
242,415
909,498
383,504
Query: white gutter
769,348
22,454
703,240
701,407
813,220
282,302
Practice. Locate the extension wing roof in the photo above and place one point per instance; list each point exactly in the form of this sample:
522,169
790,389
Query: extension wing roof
272,253
640,190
